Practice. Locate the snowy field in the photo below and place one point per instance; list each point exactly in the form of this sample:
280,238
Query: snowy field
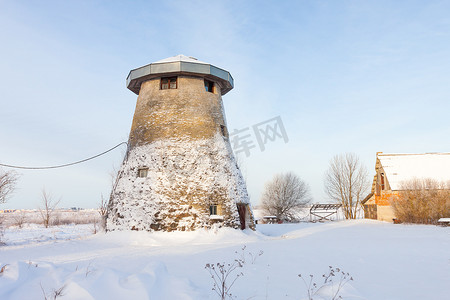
386,261
58,217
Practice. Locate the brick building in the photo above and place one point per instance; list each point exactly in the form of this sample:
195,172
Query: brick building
394,169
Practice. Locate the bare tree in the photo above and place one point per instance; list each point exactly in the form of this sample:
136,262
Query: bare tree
346,182
48,207
422,201
103,211
114,175
8,180
284,196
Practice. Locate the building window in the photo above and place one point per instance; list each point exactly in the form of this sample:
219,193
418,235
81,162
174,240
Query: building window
382,181
213,210
223,129
209,86
168,83
143,172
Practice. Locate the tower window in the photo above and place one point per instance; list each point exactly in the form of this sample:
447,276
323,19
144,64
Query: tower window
213,210
209,86
143,172
168,83
223,129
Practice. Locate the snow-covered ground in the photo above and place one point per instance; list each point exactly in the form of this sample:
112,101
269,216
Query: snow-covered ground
58,217
386,261
34,234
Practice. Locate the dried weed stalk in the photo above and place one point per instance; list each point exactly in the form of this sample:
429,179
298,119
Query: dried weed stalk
335,279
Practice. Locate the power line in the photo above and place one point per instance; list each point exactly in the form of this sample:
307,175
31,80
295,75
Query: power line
65,165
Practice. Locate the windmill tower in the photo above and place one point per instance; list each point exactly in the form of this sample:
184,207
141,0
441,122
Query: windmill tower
179,172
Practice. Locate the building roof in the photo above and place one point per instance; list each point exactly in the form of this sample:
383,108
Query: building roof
403,167
367,198
179,65
180,57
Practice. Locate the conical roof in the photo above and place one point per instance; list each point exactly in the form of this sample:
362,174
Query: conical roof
180,57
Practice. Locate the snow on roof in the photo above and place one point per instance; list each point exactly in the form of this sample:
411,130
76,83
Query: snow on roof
180,57
403,167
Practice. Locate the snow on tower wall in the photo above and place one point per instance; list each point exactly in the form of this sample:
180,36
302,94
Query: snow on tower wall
179,138
184,179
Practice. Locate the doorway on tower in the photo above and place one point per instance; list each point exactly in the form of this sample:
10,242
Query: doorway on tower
244,216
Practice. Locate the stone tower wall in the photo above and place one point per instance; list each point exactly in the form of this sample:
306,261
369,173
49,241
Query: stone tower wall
179,136
187,112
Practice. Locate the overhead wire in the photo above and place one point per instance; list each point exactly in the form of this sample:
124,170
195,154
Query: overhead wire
64,165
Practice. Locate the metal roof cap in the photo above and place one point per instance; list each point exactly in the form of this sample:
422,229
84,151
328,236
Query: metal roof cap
179,65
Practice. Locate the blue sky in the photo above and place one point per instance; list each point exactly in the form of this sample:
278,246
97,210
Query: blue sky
345,76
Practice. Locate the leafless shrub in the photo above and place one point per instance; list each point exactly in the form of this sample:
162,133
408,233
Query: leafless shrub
55,294
224,276
284,196
103,211
19,219
95,226
73,219
252,256
3,269
422,201
115,174
335,280
56,220
8,180
48,207
89,270
59,292
346,182
59,220
2,231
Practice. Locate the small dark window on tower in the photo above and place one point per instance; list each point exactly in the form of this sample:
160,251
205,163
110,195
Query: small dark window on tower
209,86
143,172
168,83
382,181
213,210
223,129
